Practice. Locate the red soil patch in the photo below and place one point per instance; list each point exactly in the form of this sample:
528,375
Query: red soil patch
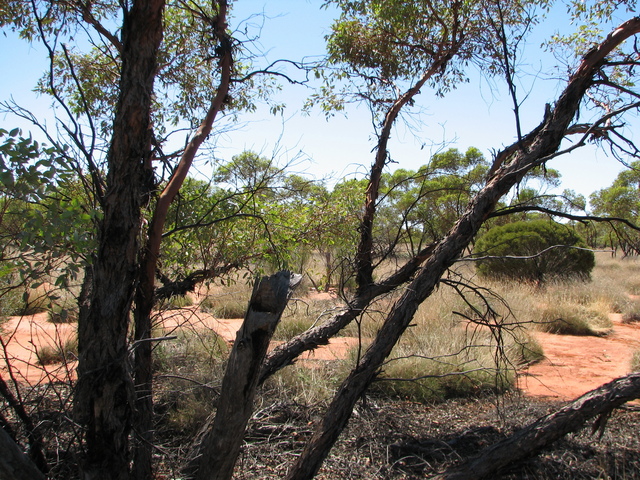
23,337
574,365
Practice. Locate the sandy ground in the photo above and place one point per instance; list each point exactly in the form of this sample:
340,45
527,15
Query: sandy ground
22,339
573,365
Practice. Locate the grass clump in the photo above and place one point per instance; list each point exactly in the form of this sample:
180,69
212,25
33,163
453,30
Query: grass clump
568,319
442,357
300,315
176,302
189,370
230,303
630,311
65,351
36,300
11,301
635,361
305,383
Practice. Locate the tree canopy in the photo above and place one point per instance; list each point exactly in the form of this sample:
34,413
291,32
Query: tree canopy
115,194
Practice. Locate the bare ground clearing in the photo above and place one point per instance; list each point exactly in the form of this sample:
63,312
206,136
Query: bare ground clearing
572,365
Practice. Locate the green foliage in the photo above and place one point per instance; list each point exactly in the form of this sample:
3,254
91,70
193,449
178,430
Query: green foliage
547,243
379,46
420,206
620,200
46,227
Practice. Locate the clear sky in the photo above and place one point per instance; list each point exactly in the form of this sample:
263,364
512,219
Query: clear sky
475,114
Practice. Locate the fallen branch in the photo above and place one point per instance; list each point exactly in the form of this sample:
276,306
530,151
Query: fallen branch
597,404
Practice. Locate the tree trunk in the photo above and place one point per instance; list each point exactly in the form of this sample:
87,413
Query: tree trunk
144,296
105,398
216,454
596,403
14,464
509,169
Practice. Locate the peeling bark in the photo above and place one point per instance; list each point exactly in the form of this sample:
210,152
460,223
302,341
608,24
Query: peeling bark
104,399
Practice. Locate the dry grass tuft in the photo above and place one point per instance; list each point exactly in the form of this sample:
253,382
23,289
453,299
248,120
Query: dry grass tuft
635,361
301,315
65,351
231,302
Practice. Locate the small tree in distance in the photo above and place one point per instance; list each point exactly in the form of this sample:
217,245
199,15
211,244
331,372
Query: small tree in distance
535,251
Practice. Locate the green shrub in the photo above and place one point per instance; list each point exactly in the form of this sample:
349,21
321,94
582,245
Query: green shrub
529,239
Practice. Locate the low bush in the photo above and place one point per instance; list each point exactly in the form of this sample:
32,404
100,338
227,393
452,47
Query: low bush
566,256
65,351
573,319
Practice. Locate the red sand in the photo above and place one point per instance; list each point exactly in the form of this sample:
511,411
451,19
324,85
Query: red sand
573,365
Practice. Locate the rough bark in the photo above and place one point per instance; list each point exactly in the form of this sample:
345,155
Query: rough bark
105,397
144,298
217,452
544,143
546,430
14,464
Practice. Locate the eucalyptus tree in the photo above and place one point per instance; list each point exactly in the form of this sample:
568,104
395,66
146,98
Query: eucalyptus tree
418,207
126,78
385,46
621,200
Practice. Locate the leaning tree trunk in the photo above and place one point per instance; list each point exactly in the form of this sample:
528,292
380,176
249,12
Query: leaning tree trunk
104,398
571,418
532,151
215,455
14,464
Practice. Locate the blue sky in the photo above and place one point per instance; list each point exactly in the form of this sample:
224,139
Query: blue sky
475,114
